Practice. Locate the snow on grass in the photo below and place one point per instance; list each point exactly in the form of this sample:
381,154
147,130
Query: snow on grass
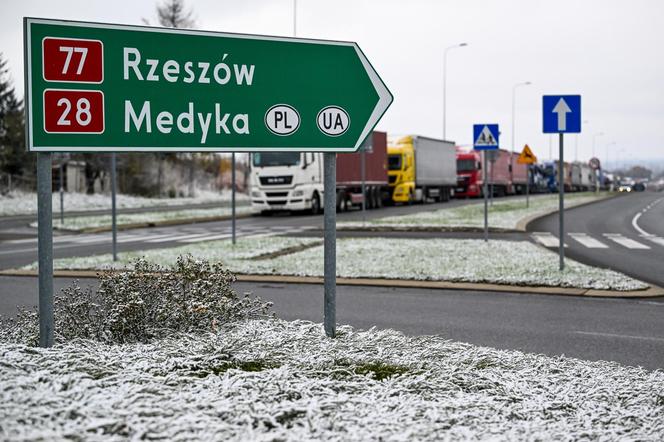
278,380
23,203
455,260
504,214
79,223
246,248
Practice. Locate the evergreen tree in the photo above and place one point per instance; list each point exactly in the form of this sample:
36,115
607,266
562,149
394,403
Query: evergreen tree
14,159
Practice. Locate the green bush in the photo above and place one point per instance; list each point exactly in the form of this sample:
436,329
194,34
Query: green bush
142,304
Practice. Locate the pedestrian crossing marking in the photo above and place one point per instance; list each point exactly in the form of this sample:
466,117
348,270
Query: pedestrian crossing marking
588,241
546,239
626,242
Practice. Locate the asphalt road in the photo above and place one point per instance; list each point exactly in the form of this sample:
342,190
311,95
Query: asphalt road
628,331
606,234
21,249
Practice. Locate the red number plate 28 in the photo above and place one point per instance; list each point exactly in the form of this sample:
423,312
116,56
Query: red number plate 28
73,111
73,60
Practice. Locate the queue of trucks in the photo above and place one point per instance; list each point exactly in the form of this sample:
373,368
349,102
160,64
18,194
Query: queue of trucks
401,170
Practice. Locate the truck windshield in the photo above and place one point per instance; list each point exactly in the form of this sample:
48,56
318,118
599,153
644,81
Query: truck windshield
267,159
394,162
465,165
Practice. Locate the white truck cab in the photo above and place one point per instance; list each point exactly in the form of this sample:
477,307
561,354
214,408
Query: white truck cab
286,181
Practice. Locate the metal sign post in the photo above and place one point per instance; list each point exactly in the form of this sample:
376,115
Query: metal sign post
233,196
528,158
363,165
94,87
62,193
485,138
114,226
486,199
528,175
561,203
330,243
561,114
45,248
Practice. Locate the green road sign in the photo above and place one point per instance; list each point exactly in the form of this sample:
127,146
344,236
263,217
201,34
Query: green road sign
103,87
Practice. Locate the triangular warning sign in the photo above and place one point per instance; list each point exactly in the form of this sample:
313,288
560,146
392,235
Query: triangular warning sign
527,156
486,138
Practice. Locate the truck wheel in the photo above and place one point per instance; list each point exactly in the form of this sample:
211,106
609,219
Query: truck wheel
315,204
368,198
376,198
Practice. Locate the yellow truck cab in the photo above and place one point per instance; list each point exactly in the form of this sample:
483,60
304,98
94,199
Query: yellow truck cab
401,169
421,169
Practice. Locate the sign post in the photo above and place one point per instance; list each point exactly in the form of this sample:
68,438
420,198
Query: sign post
527,157
45,248
561,114
485,138
113,88
114,190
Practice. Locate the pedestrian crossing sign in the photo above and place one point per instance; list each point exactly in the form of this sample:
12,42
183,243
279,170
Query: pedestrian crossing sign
485,136
527,156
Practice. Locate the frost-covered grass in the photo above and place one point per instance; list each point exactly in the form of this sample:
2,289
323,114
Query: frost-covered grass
277,380
23,203
246,248
503,214
456,260
79,223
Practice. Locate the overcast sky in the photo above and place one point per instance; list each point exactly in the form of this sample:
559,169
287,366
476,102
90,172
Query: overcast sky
608,51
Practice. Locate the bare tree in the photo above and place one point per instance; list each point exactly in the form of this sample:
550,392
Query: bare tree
174,14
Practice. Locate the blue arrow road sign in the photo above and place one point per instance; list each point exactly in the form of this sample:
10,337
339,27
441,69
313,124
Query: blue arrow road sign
562,114
485,136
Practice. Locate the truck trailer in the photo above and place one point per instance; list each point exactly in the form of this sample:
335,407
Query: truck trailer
421,168
294,180
504,175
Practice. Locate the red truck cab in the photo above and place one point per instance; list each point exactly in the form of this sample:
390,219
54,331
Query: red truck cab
469,174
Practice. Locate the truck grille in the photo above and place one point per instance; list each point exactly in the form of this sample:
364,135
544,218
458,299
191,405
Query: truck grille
277,202
276,194
276,180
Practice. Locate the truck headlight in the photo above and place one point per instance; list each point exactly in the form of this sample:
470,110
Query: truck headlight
255,194
298,192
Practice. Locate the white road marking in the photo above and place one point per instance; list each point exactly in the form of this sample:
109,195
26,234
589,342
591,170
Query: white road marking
626,242
635,220
588,241
207,238
546,239
140,238
175,238
656,239
613,335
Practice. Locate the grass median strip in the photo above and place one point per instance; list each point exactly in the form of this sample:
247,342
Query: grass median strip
503,214
454,260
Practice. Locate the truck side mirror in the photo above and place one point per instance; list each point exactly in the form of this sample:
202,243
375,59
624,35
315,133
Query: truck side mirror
479,165
510,168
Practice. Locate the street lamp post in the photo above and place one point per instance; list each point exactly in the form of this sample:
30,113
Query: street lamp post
593,155
598,134
606,160
460,45
525,83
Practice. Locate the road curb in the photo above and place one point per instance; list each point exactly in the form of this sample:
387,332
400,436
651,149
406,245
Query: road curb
441,229
521,225
651,292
